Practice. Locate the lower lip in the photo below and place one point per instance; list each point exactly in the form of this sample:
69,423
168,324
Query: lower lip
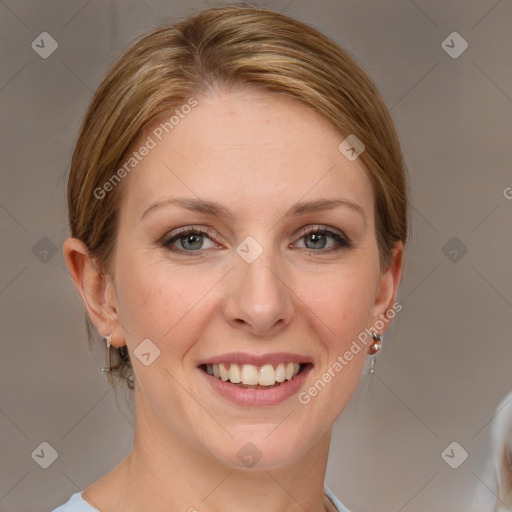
258,397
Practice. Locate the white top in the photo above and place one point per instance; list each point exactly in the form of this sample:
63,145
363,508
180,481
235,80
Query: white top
77,504
337,503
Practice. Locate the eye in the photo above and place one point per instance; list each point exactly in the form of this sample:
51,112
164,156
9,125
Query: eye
319,235
190,240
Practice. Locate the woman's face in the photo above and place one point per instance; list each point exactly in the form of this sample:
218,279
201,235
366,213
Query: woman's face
256,284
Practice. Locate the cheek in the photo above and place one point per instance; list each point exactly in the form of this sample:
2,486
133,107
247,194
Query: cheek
342,302
158,303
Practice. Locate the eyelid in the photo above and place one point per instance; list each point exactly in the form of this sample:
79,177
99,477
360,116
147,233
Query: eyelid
315,228
202,230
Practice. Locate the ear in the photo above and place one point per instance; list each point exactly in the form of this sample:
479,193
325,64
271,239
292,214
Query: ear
387,289
97,291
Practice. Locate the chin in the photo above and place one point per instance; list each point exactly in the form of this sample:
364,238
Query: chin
253,448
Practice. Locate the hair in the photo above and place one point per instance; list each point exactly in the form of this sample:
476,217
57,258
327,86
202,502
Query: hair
226,48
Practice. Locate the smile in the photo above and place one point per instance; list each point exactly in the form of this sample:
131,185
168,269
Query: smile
252,376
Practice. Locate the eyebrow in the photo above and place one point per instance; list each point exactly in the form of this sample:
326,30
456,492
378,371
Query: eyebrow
212,208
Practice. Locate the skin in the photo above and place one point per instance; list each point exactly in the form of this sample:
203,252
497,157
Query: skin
256,154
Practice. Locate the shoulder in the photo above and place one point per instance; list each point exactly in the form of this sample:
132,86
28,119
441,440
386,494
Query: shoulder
337,503
75,504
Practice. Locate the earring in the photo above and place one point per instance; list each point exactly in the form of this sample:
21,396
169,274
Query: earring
107,339
374,350
377,343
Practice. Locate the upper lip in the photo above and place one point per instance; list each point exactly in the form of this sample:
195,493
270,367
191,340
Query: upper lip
256,360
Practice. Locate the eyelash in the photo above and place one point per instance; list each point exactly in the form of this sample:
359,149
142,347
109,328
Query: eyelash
342,241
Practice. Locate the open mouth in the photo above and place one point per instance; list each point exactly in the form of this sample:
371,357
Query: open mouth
249,376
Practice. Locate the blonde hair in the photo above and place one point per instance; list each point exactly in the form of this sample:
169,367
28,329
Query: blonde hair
227,48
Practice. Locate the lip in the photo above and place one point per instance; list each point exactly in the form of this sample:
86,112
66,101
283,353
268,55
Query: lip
256,360
257,397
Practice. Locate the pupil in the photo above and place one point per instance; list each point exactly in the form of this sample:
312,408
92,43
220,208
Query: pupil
188,238
316,237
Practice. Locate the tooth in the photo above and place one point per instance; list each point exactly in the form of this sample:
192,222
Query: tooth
267,375
234,374
280,373
250,374
224,373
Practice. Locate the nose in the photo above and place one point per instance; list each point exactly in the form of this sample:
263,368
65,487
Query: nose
260,299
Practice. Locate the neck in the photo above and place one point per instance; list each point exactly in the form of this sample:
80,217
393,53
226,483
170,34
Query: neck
165,470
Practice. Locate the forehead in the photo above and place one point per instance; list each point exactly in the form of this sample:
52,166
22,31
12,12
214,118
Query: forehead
248,150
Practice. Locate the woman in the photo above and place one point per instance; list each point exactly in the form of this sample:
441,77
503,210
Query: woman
238,210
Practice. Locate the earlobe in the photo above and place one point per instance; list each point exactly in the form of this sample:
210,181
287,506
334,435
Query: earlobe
91,285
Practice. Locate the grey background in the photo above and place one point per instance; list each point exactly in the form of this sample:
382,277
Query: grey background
445,364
